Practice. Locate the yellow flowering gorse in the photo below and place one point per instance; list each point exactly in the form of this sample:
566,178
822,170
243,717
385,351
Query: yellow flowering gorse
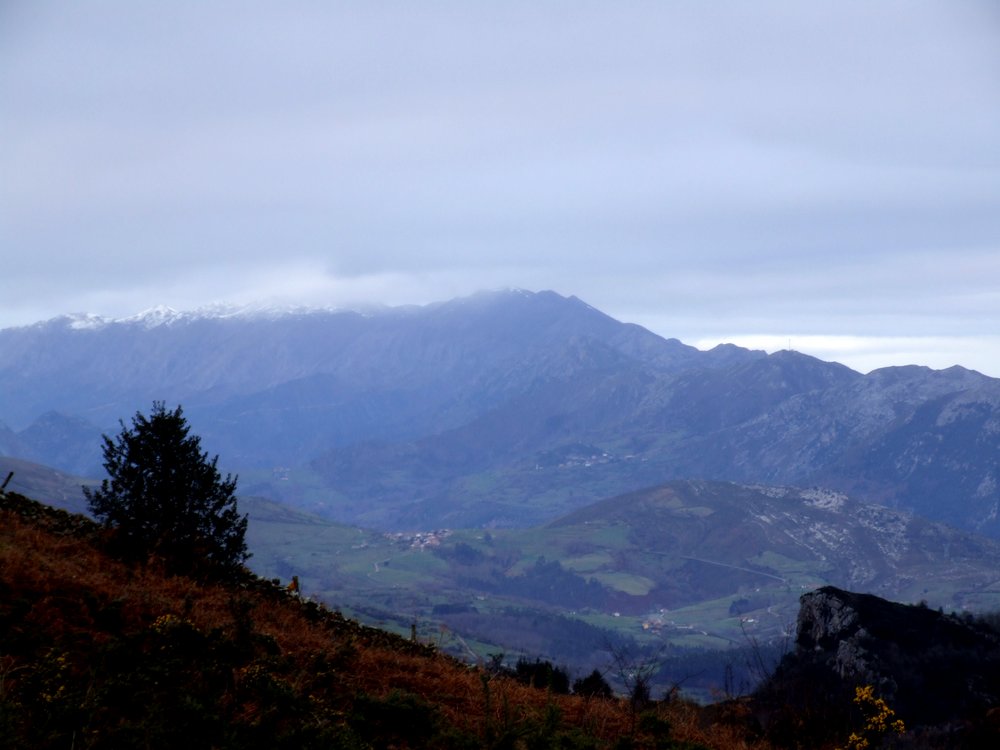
880,720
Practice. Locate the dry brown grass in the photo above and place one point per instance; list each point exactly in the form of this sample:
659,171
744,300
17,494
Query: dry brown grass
67,578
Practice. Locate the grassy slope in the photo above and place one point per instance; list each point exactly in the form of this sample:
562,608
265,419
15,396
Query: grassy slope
686,564
97,654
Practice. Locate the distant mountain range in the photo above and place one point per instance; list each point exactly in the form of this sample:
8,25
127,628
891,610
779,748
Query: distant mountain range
501,409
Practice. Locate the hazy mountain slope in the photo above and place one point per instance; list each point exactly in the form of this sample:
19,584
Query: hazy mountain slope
636,415
77,441
913,437
705,401
35,480
333,376
496,466
500,409
783,418
9,443
940,460
489,342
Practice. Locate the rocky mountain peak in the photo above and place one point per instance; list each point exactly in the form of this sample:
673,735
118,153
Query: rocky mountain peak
827,617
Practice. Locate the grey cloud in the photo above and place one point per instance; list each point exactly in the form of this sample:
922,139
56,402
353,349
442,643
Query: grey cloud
750,167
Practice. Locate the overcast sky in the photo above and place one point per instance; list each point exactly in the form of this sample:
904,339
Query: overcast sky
824,175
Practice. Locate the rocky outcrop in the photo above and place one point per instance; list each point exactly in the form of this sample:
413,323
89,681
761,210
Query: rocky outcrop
935,669
830,624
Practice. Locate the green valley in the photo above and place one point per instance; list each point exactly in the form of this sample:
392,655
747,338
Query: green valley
661,573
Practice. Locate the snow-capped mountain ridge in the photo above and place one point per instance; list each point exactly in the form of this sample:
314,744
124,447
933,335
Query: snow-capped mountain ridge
163,315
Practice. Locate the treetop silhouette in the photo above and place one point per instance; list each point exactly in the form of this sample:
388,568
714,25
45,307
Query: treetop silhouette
165,498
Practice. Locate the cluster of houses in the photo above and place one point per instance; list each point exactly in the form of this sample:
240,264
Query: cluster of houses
419,539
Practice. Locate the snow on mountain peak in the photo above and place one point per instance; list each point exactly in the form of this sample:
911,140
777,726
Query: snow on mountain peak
154,317
86,321
163,315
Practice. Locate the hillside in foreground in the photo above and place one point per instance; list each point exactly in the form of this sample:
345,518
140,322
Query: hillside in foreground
97,654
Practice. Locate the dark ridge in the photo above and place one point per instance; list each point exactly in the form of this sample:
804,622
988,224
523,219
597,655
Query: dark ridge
939,673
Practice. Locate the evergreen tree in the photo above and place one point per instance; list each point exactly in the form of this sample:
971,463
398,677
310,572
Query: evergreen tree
593,685
164,497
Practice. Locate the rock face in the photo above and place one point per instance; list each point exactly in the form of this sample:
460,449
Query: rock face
848,632
934,669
